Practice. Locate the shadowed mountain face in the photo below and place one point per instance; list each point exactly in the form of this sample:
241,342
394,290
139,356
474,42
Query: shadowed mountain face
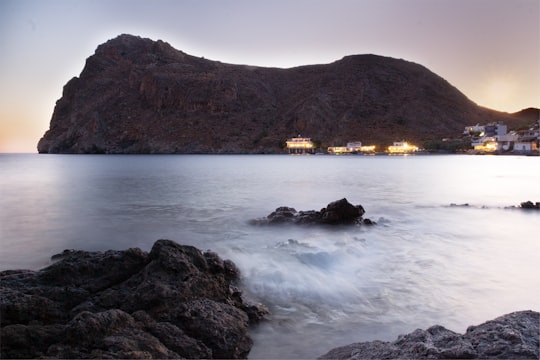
136,95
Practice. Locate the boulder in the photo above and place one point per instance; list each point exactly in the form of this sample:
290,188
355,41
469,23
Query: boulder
341,211
512,336
338,212
174,302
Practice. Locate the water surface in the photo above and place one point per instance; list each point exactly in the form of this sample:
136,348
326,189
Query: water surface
426,262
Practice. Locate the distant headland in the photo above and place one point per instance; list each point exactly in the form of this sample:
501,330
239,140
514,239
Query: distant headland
137,95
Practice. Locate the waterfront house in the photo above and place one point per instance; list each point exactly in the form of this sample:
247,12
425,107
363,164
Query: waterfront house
493,138
300,145
525,147
352,147
367,148
486,144
528,142
402,147
338,150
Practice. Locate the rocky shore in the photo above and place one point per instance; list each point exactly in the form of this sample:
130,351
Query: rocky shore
174,302
512,336
179,302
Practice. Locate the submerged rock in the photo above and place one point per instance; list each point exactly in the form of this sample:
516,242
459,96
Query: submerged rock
335,213
174,302
512,336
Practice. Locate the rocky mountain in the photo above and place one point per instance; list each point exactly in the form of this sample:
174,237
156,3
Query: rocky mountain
136,95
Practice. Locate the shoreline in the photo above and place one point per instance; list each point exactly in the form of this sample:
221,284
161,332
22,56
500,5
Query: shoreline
177,301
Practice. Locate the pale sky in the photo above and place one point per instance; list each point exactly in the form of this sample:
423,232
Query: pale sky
488,49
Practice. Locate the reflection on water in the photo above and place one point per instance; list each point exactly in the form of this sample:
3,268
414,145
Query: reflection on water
425,262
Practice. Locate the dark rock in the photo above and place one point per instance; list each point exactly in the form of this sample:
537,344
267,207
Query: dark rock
341,211
210,321
176,340
512,336
28,341
460,205
338,212
136,95
282,214
173,302
530,205
368,222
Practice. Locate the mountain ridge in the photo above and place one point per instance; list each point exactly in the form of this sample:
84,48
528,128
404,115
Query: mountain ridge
137,95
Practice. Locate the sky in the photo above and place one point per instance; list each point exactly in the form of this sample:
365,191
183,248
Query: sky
488,49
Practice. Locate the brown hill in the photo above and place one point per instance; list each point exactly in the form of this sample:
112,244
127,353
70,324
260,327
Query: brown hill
136,95
526,117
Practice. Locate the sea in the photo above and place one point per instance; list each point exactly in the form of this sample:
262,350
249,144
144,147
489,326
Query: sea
450,247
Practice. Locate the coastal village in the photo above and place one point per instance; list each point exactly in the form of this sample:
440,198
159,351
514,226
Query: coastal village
492,138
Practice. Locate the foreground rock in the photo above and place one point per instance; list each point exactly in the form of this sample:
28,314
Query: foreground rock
512,336
336,213
174,302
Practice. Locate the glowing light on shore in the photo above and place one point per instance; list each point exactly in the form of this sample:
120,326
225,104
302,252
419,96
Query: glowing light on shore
300,143
490,146
351,149
401,147
368,148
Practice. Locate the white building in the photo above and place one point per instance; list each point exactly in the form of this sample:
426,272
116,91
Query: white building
472,130
525,146
354,146
402,147
300,145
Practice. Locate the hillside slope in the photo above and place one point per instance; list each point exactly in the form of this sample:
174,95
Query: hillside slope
136,95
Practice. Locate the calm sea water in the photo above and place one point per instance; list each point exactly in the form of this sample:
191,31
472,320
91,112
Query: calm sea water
426,261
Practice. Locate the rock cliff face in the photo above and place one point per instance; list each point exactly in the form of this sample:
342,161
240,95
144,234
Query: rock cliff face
174,302
136,95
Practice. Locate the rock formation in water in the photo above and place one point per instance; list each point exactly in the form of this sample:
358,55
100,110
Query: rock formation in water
530,205
339,212
174,302
136,95
512,336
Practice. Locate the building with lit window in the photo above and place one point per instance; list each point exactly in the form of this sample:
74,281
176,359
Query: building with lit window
300,145
352,147
402,147
368,149
487,144
338,150
494,138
